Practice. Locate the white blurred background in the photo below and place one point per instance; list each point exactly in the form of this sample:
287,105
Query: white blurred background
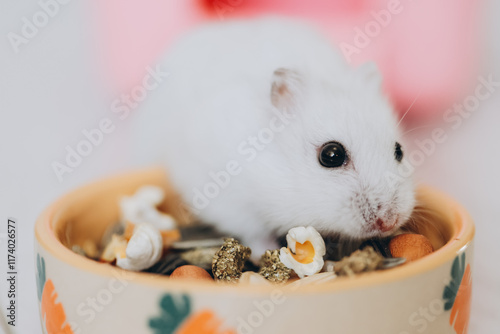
52,89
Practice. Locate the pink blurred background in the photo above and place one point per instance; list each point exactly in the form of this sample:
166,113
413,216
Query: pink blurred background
426,49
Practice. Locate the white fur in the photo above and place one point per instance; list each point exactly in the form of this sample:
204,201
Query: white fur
219,93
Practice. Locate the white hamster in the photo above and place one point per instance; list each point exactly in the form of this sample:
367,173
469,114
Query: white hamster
262,127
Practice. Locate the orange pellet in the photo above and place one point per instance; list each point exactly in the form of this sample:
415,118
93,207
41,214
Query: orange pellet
410,246
189,271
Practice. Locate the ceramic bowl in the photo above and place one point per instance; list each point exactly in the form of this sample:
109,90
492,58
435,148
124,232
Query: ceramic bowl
79,295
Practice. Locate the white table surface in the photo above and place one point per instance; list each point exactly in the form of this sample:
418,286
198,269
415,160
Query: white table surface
48,95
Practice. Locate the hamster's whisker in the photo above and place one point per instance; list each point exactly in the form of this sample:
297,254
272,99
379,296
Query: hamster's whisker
417,128
424,218
409,108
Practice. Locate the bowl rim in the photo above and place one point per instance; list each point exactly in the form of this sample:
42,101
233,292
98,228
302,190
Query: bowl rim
462,237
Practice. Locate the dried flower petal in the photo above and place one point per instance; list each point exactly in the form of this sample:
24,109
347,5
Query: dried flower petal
141,208
319,278
114,249
305,251
144,248
252,278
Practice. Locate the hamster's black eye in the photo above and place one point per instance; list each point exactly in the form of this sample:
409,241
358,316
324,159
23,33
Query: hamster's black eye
332,154
398,152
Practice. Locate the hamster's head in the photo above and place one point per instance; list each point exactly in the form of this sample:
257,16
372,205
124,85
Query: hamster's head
339,163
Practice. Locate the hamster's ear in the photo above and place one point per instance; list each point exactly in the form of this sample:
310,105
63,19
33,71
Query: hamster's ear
370,73
285,88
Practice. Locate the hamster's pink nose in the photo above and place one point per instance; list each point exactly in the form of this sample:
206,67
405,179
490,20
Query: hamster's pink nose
383,226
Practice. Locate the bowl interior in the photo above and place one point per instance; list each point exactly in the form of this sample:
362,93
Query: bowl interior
89,212
86,213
